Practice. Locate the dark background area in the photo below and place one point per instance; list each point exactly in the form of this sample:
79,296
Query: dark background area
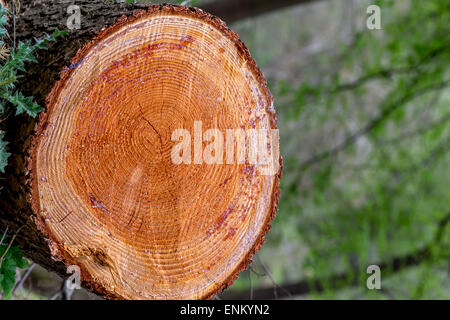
364,119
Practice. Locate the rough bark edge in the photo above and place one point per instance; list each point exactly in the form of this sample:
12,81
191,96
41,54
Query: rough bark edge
58,254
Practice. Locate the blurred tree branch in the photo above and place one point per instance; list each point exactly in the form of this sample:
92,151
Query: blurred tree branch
372,124
352,278
421,129
390,72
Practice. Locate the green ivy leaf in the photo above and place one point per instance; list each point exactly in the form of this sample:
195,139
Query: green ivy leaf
23,104
12,260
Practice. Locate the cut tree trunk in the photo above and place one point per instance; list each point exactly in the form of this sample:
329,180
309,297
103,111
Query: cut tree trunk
93,182
233,10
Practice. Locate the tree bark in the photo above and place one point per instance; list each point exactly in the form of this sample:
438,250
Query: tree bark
433,251
50,224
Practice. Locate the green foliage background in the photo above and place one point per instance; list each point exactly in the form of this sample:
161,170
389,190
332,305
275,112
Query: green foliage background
365,136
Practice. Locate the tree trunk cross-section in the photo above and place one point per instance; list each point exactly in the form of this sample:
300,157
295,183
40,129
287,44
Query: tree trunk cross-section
105,191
